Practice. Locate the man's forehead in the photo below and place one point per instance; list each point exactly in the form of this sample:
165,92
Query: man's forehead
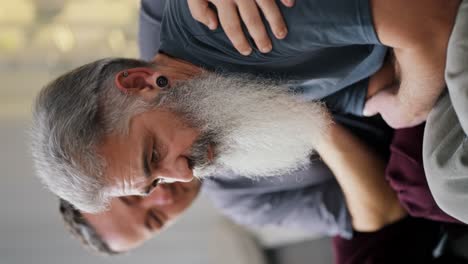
122,155
139,129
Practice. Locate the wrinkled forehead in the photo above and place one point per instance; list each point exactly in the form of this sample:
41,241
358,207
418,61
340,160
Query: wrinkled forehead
122,155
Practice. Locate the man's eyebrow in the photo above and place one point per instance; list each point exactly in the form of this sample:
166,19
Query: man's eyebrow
146,166
152,216
125,200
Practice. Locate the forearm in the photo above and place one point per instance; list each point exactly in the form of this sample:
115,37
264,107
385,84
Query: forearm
422,77
360,173
418,31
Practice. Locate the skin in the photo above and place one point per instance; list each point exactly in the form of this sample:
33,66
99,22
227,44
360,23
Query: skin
132,220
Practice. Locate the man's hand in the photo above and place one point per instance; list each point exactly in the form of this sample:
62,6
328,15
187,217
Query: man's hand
232,12
396,113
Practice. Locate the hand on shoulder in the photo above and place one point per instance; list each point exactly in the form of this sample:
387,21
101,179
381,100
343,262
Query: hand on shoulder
232,13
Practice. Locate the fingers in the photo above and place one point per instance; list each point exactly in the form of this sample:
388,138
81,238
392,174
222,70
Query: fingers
373,104
203,13
396,114
369,109
288,3
273,15
250,15
230,21
230,13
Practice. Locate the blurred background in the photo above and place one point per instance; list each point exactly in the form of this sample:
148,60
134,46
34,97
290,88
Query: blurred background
39,40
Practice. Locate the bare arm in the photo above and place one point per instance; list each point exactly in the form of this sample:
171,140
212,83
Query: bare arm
419,38
360,173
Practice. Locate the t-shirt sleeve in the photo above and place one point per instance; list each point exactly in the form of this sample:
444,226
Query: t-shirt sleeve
149,27
350,100
316,24
329,23
318,209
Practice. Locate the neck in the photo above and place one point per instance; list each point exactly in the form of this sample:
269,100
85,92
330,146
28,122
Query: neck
176,69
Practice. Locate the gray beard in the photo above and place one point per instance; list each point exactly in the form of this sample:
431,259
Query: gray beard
255,126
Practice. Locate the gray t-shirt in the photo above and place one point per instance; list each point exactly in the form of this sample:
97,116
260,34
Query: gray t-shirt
309,200
331,45
149,27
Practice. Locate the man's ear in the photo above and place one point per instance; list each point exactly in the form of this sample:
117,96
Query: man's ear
138,81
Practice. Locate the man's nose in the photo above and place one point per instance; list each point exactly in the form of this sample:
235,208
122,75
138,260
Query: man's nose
176,171
162,195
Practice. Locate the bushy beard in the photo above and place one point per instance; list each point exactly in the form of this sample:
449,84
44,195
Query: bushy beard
256,128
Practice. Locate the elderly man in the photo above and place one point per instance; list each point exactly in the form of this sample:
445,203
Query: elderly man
159,121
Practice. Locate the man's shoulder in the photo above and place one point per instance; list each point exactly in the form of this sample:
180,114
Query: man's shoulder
150,17
177,18
152,10
185,38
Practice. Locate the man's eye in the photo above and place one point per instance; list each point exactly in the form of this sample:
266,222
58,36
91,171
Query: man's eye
130,200
155,183
154,156
153,222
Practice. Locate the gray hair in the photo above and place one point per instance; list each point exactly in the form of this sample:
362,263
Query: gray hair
83,231
72,114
